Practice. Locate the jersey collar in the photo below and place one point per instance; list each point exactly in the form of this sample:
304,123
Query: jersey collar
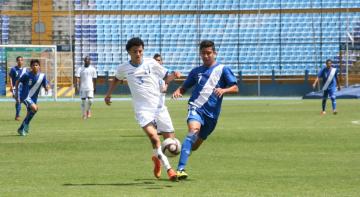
136,65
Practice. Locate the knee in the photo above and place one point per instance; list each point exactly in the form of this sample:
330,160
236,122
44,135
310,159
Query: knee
195,147
90,100
34,108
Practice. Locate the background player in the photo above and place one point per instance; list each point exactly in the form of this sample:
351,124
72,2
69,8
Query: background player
163,89
329,77
32,82
143,75
15,73
86,81
211,80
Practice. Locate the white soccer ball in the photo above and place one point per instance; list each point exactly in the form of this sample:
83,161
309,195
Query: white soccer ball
171,147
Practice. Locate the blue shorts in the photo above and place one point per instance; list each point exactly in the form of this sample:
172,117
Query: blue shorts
329,93
207,124
28,102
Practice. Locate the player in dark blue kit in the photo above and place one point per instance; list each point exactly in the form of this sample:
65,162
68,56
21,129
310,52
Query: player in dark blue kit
211,81
330,80
32,82
15,73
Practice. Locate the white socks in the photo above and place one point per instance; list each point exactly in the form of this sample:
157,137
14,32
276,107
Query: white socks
164,160
83,104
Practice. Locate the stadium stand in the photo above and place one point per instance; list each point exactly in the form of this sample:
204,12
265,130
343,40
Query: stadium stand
284,37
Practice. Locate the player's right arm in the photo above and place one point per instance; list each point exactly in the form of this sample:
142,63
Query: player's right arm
179,92
119,76
315,82
16,96
11,82
188,83
112,87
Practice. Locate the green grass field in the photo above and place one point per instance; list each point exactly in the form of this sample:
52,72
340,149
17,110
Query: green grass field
259,148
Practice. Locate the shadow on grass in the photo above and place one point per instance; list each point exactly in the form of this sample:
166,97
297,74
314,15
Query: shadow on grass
147,183
11,135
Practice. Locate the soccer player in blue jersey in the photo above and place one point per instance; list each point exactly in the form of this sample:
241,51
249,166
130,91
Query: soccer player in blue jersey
330,80
32,82
210,82
15,73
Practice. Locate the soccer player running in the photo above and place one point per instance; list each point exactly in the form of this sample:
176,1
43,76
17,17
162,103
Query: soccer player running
211,81
86,81
330,80
32,82
143,76
15,73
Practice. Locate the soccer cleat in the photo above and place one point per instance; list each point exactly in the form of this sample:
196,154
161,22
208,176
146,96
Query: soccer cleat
181,174
84,117
21,130
323,113
334,112
157,167
88,114
17,118
172,174
26,128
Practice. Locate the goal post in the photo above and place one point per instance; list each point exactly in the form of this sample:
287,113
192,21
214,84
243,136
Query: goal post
46,54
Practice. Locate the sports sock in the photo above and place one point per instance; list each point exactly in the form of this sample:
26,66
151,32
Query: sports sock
18,108
323,104
186,149
333,103
164,160
83,106
88,104
29,116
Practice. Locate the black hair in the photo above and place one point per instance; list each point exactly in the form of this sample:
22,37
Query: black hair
18,57
136,41
33,61
328,60
206,44
156,55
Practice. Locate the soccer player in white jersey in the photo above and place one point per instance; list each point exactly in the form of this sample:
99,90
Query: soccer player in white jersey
143,76
210,81
86,81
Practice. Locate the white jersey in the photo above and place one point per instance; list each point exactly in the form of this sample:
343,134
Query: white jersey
163,94
143,82
86,75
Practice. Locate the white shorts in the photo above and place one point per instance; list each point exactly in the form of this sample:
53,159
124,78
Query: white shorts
160,118
86,94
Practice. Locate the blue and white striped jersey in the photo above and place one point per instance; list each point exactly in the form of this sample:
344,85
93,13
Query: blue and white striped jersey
205,80
31,85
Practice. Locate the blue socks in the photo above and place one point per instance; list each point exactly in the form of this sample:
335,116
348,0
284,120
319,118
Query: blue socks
29,116
333,102
18,108
186,150
323,104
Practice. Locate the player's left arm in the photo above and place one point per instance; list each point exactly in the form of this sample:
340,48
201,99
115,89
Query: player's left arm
337,81
230,81
94,79
230,90
45,84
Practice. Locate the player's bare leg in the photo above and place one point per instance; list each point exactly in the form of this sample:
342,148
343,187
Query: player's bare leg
151,132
